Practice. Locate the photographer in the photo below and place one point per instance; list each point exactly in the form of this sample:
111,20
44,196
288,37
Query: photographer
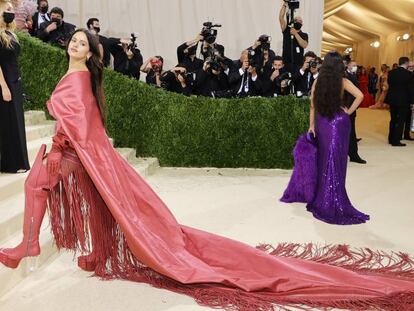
177,80
294,40
211,79
243,77
304,78
263,54
94,27
56,31
275,78
127,57
153,68
186,54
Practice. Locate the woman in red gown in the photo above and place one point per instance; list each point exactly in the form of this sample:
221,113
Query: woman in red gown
363,86
102,208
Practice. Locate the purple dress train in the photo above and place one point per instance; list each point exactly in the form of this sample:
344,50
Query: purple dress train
330,202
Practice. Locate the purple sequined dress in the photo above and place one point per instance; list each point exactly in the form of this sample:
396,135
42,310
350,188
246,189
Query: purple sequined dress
330,202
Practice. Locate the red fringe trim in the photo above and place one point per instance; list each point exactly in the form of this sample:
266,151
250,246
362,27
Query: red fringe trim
362,260
81,222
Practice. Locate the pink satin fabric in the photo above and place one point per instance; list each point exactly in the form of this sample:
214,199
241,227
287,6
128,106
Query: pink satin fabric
185,254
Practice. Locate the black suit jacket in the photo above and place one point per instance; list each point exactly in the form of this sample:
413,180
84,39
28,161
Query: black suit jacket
348,98
236,79
400,92
303,82
36,27
58,36
206,83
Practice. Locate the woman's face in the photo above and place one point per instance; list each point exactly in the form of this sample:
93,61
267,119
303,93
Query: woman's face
78,48
8,8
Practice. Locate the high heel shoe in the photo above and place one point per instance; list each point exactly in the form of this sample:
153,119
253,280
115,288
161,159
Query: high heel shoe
87,263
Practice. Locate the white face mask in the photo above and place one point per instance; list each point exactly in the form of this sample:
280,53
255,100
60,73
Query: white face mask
354,69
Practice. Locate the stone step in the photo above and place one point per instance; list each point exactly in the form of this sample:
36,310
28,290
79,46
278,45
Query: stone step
34,132
11,277
34,117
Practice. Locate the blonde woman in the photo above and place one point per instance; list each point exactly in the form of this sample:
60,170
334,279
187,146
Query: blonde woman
13,149
383,87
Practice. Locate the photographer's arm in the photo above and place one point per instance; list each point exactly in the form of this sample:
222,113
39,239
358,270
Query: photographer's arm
144,67
302,42
282,14
194,41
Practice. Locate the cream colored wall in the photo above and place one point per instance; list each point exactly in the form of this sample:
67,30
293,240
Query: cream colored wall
162,25
389,52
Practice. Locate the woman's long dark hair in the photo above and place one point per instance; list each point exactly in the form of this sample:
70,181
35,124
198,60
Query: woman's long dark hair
95,67
328,91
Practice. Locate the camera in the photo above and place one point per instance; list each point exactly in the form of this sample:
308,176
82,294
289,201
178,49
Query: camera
252,59
293,4
133,45
265,41
209,33
216,60
313,63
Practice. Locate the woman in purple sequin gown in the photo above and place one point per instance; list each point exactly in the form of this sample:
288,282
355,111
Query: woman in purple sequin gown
330,124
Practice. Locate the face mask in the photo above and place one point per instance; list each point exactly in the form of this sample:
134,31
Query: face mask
97,29
44,9
8,17
57,21
354,69
297,25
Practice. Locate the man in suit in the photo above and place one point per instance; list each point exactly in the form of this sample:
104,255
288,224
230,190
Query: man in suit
243,77
350,74
271,78
56,31
399,97
304,77
94,27
211,79
40,17
187,55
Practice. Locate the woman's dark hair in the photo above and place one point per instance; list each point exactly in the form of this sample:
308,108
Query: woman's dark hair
95,67
328,92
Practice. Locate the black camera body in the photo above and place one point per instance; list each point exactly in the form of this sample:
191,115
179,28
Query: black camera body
209,32
133,45
265,41
293,4
313,63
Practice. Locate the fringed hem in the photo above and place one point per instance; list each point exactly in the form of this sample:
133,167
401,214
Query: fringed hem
362,260
81,222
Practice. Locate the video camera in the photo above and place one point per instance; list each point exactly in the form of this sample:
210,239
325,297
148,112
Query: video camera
293,5
209,32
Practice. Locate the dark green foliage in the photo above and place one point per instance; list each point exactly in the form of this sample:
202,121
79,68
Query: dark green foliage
179,130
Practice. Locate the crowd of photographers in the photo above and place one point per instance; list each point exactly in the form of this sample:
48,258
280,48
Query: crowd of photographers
202,67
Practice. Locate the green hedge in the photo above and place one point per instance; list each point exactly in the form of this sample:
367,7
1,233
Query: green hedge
178,130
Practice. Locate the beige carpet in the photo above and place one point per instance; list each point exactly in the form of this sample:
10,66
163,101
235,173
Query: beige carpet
244,205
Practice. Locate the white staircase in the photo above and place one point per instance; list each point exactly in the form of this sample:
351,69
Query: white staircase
39,131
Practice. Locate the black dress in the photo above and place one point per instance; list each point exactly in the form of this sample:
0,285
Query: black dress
13,149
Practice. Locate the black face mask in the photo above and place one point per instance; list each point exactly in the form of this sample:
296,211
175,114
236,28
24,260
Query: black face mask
297,25
44,9
8,17
58,21
97,29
